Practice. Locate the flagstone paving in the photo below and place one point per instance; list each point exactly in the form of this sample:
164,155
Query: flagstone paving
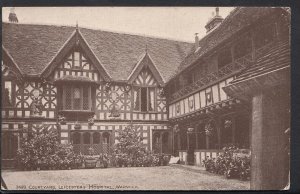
134,178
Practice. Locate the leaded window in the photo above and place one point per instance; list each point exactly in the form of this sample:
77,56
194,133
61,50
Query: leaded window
76,97
144,99
8,92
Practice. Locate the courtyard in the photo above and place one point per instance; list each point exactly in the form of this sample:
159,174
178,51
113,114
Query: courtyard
134,178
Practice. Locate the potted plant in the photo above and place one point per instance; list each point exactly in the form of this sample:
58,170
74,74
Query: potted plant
90,162
91,121
103,160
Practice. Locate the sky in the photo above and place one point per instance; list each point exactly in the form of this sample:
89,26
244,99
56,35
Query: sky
177,23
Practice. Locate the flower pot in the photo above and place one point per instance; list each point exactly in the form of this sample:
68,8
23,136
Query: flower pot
90,163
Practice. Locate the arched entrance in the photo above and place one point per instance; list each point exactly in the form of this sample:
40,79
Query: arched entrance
156,142
82,141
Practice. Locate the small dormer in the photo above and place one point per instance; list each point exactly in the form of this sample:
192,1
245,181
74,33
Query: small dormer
214,22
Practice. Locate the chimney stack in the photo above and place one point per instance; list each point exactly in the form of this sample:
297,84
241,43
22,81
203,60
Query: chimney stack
217,11
12,16
196,41
214,22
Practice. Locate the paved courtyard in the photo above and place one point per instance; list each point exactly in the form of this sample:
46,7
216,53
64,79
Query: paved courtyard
150,178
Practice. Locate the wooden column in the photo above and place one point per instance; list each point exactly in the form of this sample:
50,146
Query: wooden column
160,139
179,142
188,140
196,130
233,118
207,141
81,137
269,160
252,45
219,127
101,141
173,142
91,138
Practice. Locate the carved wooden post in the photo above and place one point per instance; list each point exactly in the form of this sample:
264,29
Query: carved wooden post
233,118
207,141
188,141
179,142
196,130
160,138
252,45
91,138
101,141
219,128
81,142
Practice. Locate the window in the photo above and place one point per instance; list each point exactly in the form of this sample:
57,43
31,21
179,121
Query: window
242,48
144,99
7,93
224,58
189,77
76,59
77,97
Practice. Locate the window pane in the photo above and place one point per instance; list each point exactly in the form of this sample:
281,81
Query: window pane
76,93
137,99
85,98
143,99
76,59
7,98
68,101
151,99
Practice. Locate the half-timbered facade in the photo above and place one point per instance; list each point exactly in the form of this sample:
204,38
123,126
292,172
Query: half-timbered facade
88,84
203,116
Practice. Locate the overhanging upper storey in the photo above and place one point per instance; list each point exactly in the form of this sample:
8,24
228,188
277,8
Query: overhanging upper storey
245,35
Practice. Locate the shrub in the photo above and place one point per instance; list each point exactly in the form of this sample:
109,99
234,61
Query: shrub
43,151
129,151
230,163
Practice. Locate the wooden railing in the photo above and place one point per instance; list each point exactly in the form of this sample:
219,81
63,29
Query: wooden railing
232,68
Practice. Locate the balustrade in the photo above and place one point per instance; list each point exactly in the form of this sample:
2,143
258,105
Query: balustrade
234,67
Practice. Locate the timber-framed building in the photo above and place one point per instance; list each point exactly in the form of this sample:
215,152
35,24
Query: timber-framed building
184,99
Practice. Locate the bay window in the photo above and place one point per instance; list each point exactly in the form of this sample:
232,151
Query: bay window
77,97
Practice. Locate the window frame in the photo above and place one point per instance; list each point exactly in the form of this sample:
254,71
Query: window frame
81,87
138,90
12,92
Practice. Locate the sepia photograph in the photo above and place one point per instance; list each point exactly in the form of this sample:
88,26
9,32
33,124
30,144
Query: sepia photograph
145,98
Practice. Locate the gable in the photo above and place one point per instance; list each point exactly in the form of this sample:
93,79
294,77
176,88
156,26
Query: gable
8,67
145,73
38,49
76,43
145,78
75,64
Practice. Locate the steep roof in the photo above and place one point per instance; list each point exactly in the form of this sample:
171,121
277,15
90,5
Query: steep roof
33,47
277,58
237,20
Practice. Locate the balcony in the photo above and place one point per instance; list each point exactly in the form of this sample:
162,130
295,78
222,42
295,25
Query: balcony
224,72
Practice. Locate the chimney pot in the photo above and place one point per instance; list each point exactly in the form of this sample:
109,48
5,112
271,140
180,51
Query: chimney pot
196,40
12,16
